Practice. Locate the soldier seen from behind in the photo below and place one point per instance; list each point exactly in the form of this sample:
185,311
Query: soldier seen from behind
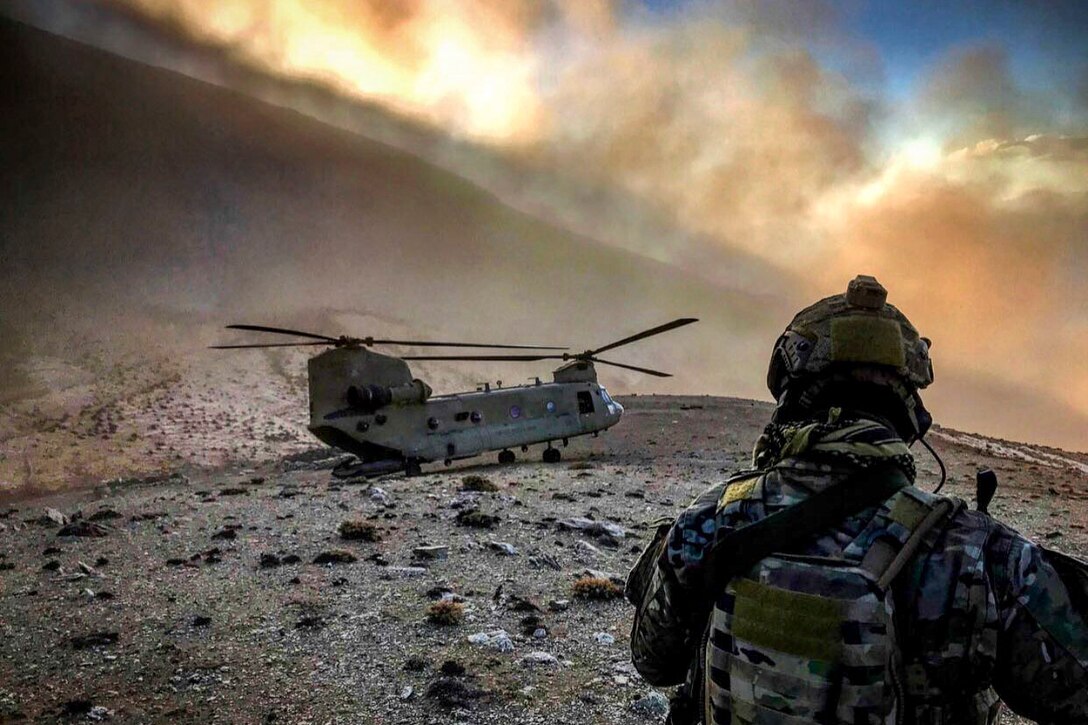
823,586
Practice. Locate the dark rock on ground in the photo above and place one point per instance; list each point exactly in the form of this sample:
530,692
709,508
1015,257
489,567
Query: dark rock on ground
94,639
335,556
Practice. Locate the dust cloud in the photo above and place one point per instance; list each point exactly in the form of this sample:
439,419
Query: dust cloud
714,138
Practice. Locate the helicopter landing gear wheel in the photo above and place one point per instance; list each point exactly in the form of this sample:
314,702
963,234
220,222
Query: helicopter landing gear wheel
506,457
551,455
412,467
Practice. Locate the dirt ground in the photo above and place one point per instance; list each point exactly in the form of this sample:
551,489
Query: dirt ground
200,602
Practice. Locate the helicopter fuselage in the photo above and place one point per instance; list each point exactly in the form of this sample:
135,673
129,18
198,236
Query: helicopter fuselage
462,425
368,404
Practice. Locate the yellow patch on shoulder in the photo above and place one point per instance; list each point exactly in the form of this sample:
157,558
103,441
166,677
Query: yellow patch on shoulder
738,491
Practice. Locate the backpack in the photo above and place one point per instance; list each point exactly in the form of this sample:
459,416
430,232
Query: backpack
801,639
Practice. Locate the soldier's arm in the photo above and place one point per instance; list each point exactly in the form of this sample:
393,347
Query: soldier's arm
663,587
1042,657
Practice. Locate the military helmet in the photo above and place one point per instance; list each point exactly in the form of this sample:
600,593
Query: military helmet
853,336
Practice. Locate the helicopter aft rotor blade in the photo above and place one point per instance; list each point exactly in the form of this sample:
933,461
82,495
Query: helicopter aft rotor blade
648,371
644,334
267,344
281,331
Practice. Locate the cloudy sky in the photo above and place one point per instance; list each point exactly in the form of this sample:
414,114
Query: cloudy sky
941,146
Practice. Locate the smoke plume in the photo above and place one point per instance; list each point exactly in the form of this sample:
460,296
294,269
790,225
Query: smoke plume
755,128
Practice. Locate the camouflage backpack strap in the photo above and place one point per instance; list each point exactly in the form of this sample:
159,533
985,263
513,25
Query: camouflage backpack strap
887,557
740,549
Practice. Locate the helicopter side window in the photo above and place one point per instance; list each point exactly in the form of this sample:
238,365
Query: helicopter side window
585,403
461,417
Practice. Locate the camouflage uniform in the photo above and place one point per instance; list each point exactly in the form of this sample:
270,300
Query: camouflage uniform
976,612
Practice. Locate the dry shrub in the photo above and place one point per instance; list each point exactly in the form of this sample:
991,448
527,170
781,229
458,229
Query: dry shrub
446,612
478,483
596,587
356,530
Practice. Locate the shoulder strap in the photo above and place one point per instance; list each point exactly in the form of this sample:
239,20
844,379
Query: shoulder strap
740,550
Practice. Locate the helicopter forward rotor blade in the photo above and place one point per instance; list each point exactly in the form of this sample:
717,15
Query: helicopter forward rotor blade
423,343
648,371
281,331
646,333
267,344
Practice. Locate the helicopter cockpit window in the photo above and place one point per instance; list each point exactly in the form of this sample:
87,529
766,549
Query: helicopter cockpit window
585,403
605,396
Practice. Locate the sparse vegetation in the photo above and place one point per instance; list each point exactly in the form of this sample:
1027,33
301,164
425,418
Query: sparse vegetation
597,588
474,482
446,612
356,530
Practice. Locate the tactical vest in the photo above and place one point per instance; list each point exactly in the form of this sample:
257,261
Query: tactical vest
801,639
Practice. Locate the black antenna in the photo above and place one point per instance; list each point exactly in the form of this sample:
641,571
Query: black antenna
944,471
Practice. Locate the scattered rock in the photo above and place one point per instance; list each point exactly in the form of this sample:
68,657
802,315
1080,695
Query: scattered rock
477,519
201,620
522,604
592,528
94,639
406,693
1052,535
226,534
335,556
604,638
359,530
534,659
53,516
451,693
478,483
503,548
584,547
83,528
234,491
380,496
495,639
104,515
652,704
402,572
559,605
51,565
290,559
269,561
431,553
98,713
544,559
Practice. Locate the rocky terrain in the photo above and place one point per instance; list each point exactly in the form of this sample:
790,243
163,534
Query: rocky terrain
278,594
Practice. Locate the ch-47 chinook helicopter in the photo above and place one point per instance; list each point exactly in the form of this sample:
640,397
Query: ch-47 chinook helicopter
368,404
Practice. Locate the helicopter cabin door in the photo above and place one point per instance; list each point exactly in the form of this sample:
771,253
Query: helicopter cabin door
585,402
